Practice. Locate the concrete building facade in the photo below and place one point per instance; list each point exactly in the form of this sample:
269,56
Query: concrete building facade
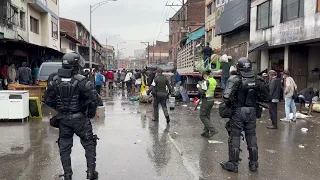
188,18
210,23
287,34
159,53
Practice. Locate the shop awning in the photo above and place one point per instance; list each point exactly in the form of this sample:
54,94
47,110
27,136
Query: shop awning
258,46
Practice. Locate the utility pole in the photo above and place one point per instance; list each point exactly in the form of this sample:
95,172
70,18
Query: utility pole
153,51
148,50
107,52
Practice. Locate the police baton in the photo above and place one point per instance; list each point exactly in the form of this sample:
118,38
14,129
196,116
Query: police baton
195,108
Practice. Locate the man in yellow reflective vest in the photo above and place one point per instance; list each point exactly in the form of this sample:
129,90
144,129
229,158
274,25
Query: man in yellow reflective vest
206,90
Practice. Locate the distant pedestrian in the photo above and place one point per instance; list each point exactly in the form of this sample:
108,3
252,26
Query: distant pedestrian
24,74
110,76
275,91
128,81
99,81
290,89
122,77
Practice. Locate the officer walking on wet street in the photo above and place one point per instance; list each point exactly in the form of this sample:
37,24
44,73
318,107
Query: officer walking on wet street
241,95
73,97
206,90
160,89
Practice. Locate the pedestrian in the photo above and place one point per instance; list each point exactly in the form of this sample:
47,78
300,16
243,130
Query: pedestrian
240,97
290,89
99,81
206,90
110,76
275,91
177,82
207,53
24,74
128,81
137,80
73,118
160,89
225,67
122,77
308,96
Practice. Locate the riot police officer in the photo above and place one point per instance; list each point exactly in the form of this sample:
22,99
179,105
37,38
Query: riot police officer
206,90
72,96
160,89
241,95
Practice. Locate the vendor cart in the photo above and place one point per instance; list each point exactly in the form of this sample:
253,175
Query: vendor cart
34,91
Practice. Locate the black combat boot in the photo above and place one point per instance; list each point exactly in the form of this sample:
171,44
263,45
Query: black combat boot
253,166
67,176
168,119
92,174
229,166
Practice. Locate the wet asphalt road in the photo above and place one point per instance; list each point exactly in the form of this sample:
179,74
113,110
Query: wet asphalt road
132,147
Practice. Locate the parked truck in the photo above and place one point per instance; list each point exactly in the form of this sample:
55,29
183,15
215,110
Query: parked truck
190,65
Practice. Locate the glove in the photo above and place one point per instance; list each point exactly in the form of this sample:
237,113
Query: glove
91,113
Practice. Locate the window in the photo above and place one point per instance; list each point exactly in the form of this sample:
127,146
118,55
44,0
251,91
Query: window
72,46
264,16
13,15
209,35
54,26
55,1
22,20
34,25
209,9
292,9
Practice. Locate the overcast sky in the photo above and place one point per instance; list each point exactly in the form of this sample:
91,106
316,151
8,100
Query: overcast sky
133,20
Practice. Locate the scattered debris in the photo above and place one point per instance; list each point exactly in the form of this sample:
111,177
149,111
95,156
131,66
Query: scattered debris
185,105
271,151
215,142
175,133
304,129
301,146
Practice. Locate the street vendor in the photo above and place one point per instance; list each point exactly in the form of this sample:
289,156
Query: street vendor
308,96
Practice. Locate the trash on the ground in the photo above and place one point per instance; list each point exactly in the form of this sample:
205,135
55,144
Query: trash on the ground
185,105
263,122
304,129
301,146
175,133
198,108
271,151
135,98
299,116
215,142
191,99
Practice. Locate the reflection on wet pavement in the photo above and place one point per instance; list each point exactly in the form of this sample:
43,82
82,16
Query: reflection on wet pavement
132,147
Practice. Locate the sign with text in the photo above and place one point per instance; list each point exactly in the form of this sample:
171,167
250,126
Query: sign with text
231,14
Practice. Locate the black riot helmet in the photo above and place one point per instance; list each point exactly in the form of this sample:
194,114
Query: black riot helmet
72,60
244,64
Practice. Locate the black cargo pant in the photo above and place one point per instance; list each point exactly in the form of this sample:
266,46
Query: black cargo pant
81,126
243,119
162,100
273,111
205,114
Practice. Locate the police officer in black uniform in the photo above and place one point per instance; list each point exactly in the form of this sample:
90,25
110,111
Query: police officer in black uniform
160,89
241,95
72,96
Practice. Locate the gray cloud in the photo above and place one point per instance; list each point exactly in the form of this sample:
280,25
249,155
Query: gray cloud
139,20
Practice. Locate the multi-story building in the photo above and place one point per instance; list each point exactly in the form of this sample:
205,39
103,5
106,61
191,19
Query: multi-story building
188,18
159,53
210,24
77,30
43,21
110,56
287,34
29,31
68,42
140,53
